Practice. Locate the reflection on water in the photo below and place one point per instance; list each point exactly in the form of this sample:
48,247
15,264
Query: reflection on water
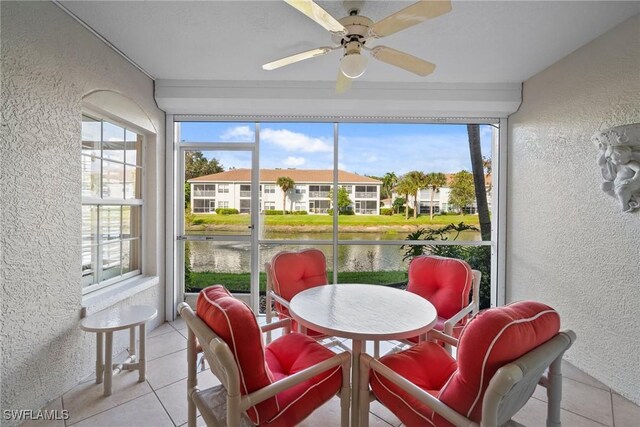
234,257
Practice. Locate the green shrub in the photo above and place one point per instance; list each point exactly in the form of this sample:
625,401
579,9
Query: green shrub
227,211
345,212
273,212
299,213
386,211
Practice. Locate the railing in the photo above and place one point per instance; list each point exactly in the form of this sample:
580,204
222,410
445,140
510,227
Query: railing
203,210
319,194
245,194
204,193
366,195
319,210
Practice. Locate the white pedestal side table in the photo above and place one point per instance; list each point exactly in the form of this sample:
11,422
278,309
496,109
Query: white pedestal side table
108,321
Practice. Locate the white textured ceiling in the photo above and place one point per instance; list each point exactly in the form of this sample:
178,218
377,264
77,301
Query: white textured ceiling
478,42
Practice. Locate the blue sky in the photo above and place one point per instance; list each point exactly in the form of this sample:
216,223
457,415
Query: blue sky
364,148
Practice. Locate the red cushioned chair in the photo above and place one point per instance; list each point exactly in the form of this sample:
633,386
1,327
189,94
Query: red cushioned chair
277,385
450,285
289,273
503,354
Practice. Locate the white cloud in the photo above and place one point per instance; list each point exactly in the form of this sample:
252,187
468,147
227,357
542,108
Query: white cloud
294,141
238,133
294,162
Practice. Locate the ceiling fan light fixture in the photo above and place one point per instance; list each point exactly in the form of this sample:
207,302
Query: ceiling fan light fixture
353,65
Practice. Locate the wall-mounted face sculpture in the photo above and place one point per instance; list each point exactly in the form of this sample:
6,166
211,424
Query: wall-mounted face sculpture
619,161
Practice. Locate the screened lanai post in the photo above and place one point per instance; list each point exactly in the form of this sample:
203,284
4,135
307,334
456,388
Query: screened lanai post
477,166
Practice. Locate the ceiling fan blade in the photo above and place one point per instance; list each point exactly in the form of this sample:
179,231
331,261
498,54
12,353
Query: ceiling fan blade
297,58
409,16
318,14
403,60
343,83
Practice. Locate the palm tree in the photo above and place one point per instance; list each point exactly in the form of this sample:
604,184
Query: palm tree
417,181
477,166
404,187
285,183
389,180
435,180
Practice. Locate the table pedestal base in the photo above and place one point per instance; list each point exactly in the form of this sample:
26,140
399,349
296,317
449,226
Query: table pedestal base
105,370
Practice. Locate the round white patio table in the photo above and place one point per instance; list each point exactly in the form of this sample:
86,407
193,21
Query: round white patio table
362,313
107,322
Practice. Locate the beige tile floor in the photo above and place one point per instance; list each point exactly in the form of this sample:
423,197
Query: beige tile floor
161,400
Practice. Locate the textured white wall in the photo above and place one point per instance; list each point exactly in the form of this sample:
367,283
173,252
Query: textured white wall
49,62
568,243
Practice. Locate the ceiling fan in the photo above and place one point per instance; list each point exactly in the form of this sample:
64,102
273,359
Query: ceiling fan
352,32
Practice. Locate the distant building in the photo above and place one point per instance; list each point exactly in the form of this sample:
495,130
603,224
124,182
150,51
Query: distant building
441,199
232,189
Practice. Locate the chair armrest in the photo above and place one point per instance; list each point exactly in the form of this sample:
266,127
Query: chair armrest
451,322
342,359
437,335
416,392
279,299
284,323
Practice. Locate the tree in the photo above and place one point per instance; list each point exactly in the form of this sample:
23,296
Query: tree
478,167
462,191
398,202
196,164
404,187
343,199
285,183
435,180
389,181
417,180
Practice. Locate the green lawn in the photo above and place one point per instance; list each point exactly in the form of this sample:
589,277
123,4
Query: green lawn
240,281
343,220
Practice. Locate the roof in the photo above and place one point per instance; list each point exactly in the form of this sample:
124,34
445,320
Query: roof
297,175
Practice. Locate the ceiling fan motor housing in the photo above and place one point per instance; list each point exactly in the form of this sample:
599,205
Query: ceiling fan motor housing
357,29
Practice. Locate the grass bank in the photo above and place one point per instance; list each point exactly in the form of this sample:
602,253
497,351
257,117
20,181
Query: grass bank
353,223
240,281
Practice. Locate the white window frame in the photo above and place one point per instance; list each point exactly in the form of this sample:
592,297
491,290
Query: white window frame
101,202
223,189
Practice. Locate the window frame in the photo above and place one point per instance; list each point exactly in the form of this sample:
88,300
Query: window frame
100,202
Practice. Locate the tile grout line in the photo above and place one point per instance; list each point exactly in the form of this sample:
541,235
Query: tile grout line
113,407
163,407
613,413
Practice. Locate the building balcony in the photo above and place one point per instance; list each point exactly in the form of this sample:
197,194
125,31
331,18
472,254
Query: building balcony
366,195
318,194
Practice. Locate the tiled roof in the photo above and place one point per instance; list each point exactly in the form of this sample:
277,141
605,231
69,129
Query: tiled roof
297,175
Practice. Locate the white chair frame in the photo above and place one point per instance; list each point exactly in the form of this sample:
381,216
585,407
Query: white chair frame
223,405
508,390
471,309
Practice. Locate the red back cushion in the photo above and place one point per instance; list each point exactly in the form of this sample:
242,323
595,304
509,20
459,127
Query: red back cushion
494,338
293,272
234,322
444,282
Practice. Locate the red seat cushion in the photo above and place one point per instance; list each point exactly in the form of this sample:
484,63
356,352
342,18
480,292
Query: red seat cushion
235,323
428,366
294,272
493,339
293,353
444,282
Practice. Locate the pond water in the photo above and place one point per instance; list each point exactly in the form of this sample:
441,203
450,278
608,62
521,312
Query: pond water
234,257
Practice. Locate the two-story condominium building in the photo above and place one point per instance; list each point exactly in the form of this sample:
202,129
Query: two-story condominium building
441,201
232,189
